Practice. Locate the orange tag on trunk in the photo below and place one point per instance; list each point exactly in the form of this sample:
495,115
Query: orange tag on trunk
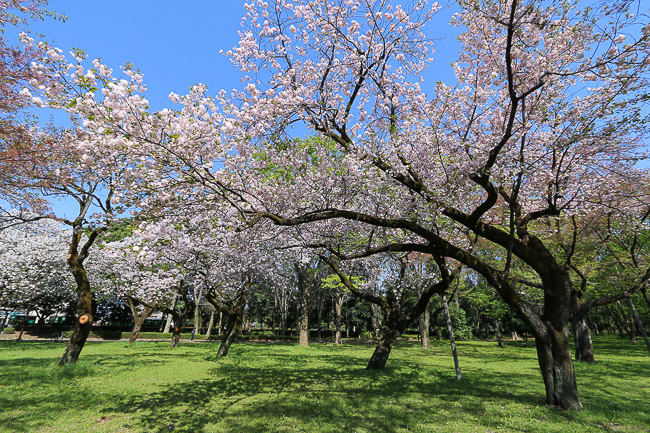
83,319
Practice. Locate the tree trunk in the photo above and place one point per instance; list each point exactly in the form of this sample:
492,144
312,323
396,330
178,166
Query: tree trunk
137,324
176,336
557,370
375,321
138,319
198,294
338,308
425,324
84,313
497,332
234,324
303,338
630,303
210,325
220,326
386,341
168,322
450,329
581,333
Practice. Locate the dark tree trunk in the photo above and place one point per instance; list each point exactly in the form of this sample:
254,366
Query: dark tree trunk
382,350
497,332
450,329
234,323
84,312
581,333
557,370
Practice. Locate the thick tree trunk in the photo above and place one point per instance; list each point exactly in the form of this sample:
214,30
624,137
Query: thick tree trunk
382,351
425,323
450,329
630,303
84,313
232,329
557,370
338,308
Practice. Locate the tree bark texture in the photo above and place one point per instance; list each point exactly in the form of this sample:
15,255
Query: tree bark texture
84,312
382,351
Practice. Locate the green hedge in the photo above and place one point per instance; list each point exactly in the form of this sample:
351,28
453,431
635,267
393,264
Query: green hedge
119,335
9,330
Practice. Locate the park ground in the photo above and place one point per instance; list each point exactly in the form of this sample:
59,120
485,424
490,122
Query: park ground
266,387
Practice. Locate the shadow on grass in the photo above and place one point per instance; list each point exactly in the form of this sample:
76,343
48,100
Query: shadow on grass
338,393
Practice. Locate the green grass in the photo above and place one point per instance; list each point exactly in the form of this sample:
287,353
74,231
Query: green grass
265,387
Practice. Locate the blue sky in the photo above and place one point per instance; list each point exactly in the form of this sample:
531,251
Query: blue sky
174,44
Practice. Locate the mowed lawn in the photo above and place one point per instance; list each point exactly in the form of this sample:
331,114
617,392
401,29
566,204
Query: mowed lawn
265,387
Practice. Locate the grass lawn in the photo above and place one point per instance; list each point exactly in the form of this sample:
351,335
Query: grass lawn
264,387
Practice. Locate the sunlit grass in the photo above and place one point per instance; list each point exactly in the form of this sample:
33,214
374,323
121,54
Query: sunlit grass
265,387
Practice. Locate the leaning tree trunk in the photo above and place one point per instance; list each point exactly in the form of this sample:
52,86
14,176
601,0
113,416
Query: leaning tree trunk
234,324
450,330
389,336
210,325
84,313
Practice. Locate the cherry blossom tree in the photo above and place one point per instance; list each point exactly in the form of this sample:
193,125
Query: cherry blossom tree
544,120
33,274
